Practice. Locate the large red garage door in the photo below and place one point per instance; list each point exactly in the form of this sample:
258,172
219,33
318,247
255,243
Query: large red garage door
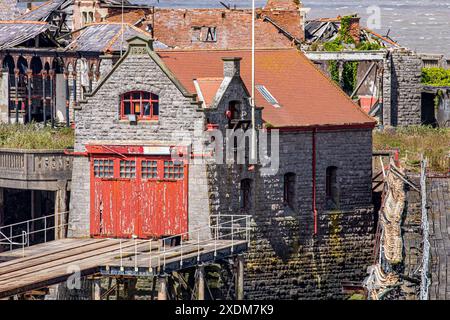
138,195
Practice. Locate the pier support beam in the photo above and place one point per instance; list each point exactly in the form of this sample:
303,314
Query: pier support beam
96,289
201,282
239,277
162,292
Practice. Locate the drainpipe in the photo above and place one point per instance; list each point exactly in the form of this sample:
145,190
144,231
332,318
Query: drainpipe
314,179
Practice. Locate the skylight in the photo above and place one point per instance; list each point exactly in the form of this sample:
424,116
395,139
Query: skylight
267,95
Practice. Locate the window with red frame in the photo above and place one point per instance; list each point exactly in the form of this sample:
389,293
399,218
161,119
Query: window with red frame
142,104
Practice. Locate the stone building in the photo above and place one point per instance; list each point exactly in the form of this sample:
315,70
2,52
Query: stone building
312,216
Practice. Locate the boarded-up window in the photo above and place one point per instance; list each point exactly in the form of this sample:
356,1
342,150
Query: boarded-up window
332,189
103,168
246,194
127,169
289,189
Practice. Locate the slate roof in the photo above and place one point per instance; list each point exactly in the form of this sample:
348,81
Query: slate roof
107,37
306,96
9,9
42,12
13,33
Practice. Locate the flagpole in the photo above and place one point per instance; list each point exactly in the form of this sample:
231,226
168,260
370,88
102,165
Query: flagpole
253,156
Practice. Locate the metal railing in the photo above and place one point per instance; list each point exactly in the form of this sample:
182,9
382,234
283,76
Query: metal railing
235,229
31,229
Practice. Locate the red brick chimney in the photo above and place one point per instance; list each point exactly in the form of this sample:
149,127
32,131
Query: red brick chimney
355,29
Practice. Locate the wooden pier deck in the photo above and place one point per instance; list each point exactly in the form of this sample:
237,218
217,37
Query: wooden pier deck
43,265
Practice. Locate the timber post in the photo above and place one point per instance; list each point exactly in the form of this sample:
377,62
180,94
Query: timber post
240,277
96,289
162,292
201,282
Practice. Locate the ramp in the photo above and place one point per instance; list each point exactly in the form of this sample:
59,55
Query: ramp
43,265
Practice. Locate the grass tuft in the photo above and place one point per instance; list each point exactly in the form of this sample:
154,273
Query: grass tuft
412,141
35,136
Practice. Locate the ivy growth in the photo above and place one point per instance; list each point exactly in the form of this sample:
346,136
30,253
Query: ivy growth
438,77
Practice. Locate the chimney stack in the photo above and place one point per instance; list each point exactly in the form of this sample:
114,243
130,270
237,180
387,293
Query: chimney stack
231,66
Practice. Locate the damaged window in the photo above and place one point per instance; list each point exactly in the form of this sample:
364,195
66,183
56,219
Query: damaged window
204,34
211,34
144,105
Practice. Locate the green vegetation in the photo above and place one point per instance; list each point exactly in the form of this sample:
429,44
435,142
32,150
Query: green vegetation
415,140
340,43
438,77
34,136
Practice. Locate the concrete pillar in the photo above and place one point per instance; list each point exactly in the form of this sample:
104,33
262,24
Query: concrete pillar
240,277
162,292
96,289
201,282
60,209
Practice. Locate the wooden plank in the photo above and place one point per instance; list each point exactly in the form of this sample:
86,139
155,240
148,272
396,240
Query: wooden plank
64,259
47,253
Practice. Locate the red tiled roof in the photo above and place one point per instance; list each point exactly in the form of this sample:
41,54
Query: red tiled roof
209,88
306,96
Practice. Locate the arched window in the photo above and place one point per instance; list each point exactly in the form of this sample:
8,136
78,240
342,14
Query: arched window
142,104
332,188
246,194
289,189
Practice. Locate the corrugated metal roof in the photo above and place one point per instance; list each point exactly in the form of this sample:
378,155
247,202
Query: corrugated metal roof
13,33
42,12
107,37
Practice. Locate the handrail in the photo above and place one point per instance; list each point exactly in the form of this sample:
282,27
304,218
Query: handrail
219,231
28,225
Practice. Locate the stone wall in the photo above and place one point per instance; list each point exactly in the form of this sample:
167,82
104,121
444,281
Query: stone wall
98,122
402,88
286,260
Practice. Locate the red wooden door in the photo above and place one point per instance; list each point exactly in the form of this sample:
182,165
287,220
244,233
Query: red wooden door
141,196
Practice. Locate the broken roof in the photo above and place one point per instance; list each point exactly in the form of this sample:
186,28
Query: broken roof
13,33
107,37
42,12
306,97
188,29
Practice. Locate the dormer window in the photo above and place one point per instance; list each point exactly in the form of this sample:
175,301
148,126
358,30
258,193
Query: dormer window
141,104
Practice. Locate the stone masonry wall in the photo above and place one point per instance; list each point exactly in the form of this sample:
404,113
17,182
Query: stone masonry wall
286,260
98,122
402,88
